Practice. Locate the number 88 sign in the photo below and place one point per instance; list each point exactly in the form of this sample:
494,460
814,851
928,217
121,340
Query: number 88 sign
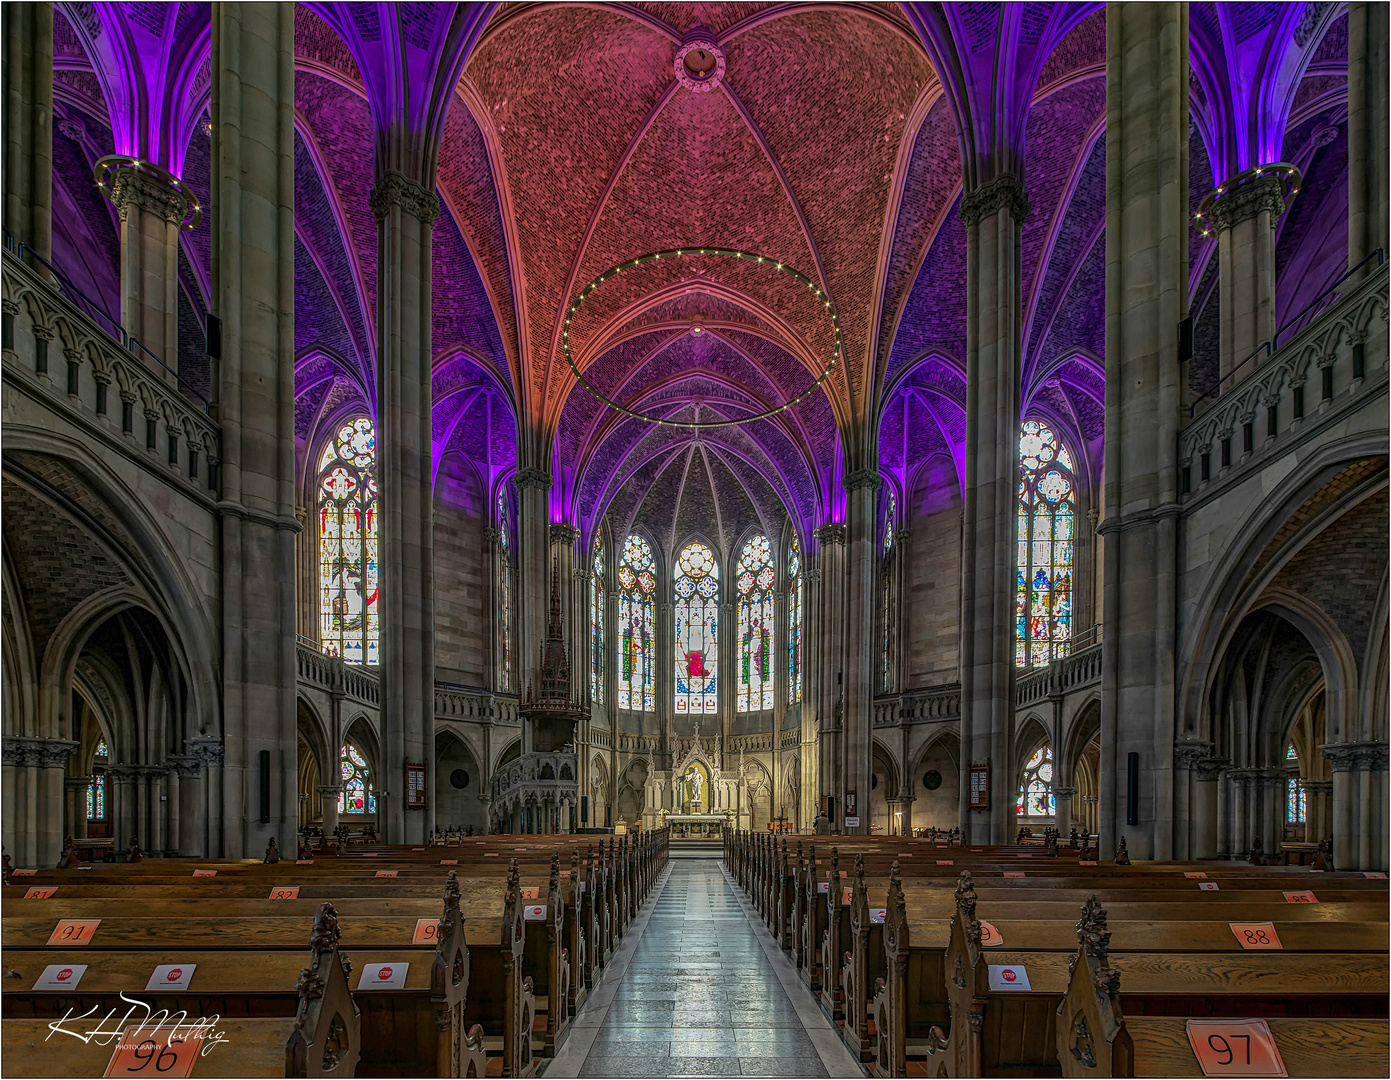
1235,1048
145,1051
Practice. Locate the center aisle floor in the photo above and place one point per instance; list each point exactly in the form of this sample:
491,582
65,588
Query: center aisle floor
702,996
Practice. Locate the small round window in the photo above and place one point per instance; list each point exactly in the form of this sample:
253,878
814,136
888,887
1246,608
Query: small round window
932,780
459,779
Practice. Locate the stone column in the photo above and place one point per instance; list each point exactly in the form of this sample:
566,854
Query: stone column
213,830
151,211
1244,217
1187,755
1316,819
993,215
906,825
534,576
405,210
1204,819
1359,816
563,539
830,650
328,796
1062,819
253,290
1146,298
811,672
1368,118
28,63
75,806
861,667
184,791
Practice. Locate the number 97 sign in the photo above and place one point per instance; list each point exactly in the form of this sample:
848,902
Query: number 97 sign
145,1051
1235,1048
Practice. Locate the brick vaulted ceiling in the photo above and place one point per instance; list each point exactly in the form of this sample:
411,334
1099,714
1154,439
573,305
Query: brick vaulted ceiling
570,146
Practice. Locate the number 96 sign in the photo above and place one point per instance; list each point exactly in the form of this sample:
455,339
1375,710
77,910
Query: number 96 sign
1235,1048
143,1051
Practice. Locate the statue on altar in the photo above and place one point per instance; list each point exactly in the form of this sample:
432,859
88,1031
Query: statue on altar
695,787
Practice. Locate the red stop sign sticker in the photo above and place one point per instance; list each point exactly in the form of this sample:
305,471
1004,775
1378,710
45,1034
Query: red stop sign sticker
64,975
1009,976
175,974
384,973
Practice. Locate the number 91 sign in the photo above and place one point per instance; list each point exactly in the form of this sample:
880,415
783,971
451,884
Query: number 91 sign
1235,1048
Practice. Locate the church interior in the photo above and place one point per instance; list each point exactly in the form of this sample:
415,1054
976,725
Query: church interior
544,539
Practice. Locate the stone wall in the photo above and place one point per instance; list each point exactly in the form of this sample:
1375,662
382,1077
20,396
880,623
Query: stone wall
931,611
461,574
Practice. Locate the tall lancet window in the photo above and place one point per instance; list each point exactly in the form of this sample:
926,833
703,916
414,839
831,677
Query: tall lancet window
888,597
754,579
794,622
697,623
1047,519
504,595
637,647
348,544
596,623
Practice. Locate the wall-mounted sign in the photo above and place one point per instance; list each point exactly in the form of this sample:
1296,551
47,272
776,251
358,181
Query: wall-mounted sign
980,787
415,784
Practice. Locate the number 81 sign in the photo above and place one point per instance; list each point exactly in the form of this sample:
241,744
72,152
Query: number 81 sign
1235,1048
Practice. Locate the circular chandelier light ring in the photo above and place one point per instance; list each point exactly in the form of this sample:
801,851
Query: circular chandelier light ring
682,253
148,169
1288,174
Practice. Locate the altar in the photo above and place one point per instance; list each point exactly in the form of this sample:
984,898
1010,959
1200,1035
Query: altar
695,825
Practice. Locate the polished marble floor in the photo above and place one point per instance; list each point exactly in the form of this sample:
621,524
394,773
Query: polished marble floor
702,995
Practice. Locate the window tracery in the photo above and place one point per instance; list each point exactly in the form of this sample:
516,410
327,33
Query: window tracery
1047,519
1035,797
596,623
348,544
637,594
794,622
504,595
357,796
888,598
96,787
754,581
697,589
1296,798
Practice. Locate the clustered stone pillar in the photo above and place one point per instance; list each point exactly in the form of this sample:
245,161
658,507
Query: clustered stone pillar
405,210
1368,121
253,290
1244,217
861,671
28,63
151,213
811,667
33,803
534,576
1146,298
829,640
993,215
1359,814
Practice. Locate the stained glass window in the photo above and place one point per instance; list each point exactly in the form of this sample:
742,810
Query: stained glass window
754,579
697,622
348,544
357,796
596,624
1035,797
101,748
1296,798
794,622
637,595
96,798
1047,512
504,596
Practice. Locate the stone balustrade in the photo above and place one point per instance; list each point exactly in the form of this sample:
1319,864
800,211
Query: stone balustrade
1073,672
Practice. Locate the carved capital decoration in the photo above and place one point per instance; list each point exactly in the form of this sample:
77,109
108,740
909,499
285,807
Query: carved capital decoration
185,767
1357,757
564,534
207,751
36,753
1190,752
398,190
533,478
1317,787
1006,191
329,791
1243,203
1211,768
813,573
131,187
832,534
863,478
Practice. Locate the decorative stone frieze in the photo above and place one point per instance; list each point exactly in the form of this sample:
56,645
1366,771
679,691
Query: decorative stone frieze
397,190
1248,200
1005,191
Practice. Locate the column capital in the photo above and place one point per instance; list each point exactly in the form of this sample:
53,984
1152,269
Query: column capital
1242,198
330,791
863,478
1317,787
394,189
530,477
36,753
1006,191
1064,792
562,533
186,767
207,751
1189,752
135,185
831,534
1357,757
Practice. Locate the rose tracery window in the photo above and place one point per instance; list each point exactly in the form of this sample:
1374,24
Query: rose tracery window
754,579
357,796
697,589
637,595
348,544
596,624
1035,797
1047,511
794,623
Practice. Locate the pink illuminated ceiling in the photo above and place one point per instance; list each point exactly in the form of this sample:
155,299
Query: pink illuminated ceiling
565,145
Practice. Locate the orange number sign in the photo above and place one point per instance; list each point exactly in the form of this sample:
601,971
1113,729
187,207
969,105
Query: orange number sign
205,873
1235,1048
74,931
426,932
285,892
146,1051
1304,897
1194,874
989,936
531,892
40,892
1256,935
386,873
